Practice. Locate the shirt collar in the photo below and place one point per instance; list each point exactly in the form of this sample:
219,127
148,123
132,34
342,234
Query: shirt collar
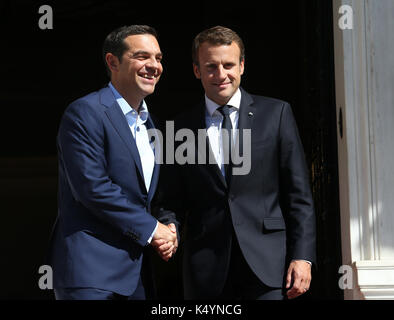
126,108
235,102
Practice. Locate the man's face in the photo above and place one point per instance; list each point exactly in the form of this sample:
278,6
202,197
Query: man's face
220,70
141,67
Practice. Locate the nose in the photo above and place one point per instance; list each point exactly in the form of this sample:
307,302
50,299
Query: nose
152,65
221,73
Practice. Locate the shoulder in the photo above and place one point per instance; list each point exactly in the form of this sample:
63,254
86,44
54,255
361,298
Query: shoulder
84,114
267,105
89,105
260,100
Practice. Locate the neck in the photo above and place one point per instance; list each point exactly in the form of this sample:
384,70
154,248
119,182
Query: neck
220,103
133,100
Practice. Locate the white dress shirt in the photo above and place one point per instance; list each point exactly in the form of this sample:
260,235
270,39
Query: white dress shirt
213,121
136,121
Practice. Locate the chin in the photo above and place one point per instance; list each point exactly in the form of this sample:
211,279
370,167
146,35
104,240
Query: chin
224,97
148,90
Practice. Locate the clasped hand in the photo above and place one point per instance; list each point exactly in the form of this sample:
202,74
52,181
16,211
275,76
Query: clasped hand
165,240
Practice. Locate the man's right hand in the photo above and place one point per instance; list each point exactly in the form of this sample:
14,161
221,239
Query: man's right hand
165,240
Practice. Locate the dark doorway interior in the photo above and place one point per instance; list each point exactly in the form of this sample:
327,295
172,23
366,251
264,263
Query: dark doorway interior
289,55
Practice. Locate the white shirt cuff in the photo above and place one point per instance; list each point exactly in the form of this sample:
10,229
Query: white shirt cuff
153,233
302,260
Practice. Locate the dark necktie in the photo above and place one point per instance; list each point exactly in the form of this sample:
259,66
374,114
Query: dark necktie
226,143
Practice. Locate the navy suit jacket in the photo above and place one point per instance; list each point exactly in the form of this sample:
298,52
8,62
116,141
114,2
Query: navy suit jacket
270,209
104,218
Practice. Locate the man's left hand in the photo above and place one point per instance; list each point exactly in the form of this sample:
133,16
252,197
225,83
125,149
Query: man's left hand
298,277
166,249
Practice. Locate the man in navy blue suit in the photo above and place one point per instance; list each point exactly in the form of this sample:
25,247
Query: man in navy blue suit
107,179
249,226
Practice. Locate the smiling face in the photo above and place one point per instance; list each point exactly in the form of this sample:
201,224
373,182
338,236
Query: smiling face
136,75
220,70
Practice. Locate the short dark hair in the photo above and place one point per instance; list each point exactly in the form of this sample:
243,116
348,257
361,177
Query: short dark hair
114,43
217,36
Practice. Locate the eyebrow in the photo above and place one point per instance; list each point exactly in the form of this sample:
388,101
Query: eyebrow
142,52
214,64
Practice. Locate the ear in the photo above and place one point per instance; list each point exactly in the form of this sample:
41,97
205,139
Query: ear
112,62
242,66
196,70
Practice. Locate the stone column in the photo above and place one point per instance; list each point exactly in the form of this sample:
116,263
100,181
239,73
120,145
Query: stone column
364,77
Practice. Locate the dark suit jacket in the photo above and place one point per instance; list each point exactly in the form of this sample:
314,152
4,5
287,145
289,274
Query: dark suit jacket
270,208
104,218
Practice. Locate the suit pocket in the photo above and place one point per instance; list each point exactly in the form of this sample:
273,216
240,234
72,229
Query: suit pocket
273,224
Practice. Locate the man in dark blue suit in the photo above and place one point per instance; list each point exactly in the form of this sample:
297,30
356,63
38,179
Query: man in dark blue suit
108,177
250,225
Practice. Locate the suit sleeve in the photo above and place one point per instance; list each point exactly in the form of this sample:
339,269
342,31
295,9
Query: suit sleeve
82,152
295,193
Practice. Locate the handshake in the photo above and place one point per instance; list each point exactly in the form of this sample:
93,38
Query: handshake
165,240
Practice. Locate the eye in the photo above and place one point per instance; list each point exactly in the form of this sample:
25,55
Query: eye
142,57
229,66
211,67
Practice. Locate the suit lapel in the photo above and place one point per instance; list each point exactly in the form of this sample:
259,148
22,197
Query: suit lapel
245,121
120,124
157,151
201,124
246,115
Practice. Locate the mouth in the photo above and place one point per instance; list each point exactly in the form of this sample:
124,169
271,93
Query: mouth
149,78
223,85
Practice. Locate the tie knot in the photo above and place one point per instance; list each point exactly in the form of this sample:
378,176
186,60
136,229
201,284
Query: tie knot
224,110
